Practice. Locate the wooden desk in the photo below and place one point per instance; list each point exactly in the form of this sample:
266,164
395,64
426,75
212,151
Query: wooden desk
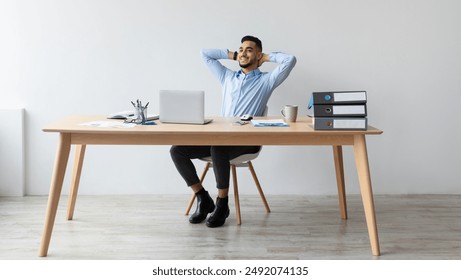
219,132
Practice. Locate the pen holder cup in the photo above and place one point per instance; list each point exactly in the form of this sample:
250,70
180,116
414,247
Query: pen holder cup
140,115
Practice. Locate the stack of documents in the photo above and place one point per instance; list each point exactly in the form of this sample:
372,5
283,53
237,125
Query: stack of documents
340,110
269,123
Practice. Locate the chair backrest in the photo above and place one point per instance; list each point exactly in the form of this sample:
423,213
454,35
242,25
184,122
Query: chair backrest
243,159
266,111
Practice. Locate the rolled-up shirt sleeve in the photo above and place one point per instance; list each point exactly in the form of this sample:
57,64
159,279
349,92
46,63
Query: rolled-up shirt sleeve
211,58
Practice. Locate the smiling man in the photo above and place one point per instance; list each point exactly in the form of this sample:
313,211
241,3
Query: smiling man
245,91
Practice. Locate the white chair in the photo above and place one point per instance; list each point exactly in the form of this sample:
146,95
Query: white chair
240,161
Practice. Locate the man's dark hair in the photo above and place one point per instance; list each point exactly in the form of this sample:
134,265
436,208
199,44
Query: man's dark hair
254,40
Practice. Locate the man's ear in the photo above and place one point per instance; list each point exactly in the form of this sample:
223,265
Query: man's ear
260,55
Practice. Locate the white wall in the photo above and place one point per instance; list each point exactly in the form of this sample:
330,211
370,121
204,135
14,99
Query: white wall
12,173
92,57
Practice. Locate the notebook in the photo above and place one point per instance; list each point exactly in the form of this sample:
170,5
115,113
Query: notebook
182,106
123,115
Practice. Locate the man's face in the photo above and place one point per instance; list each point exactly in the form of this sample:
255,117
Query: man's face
248,55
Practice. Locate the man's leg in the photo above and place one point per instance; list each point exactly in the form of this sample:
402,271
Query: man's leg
221,156
182,156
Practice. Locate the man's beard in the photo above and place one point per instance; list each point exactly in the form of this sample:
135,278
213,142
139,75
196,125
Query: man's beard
245,65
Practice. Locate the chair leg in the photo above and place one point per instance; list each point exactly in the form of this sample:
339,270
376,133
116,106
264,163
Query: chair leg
236,195
189,206
192,199
258,186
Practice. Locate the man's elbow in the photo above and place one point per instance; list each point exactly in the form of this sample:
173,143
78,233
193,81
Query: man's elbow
203,53
291,60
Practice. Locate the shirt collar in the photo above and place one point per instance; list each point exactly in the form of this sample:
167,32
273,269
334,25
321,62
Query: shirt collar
251,74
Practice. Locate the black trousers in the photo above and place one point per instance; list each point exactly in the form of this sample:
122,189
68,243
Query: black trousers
220,155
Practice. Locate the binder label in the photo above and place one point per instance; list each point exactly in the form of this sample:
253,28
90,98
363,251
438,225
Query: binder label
350,96
349,110
349,123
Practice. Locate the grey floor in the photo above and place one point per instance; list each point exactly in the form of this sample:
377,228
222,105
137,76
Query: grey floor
300,227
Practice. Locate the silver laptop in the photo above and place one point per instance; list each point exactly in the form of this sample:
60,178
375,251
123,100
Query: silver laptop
182,106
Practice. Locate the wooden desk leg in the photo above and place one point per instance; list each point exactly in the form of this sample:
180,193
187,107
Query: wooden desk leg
339,167
76,172
363,170
60,164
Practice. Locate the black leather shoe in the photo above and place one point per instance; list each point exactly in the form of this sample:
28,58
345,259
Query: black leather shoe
220,213
205,205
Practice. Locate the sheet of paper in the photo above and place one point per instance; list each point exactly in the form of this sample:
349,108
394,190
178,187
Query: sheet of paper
264,123
109,124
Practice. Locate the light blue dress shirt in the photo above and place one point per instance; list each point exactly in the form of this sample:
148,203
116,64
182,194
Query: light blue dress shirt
247,93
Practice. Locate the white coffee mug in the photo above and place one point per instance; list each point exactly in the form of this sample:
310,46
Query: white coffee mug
290,113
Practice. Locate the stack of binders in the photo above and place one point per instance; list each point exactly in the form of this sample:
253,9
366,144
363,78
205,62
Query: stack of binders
340,110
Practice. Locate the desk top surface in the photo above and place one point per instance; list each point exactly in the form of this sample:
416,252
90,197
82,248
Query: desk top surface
73,124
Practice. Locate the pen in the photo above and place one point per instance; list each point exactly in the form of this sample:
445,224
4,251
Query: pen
146,105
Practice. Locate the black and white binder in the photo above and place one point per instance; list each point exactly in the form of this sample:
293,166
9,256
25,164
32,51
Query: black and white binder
340,97
359,110
341,123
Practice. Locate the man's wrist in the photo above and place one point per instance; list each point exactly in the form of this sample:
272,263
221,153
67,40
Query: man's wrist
230,54
266,57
